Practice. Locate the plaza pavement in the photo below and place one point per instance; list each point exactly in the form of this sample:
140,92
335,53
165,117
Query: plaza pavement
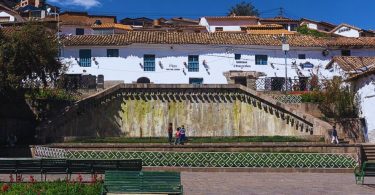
239,183
247,183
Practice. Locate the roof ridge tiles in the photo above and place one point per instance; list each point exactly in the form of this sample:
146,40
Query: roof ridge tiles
150,37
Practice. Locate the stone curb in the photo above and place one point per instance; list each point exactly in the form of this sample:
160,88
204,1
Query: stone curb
250,170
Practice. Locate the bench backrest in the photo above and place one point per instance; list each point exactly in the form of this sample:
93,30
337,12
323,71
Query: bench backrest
67,166
100,166
130,181
368,167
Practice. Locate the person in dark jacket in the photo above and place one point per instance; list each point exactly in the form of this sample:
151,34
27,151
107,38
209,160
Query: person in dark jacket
334,135
170,133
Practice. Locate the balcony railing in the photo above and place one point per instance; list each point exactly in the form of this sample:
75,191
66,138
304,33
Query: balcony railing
279,84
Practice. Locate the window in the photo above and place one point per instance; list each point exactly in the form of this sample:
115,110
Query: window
193,63
36,14
345,53
80,31
237,56
195,81
149,62
219,29
261,59
4,19
285,26
85,57
112,53
301,56
293,27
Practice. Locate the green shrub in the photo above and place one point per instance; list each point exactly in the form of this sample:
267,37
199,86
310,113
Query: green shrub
313,97
339,100
51,94
306,31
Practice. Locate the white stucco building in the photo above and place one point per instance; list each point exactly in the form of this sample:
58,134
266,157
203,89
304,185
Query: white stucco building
208,58
7,15
178,57
360,72
227,23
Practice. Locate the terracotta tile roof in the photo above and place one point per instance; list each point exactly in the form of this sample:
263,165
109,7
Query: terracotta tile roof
112,25
351,63
354,66
150,37
222,38
278,19
262,26
7,31
352,42
346,25
270,32
220,18
82,18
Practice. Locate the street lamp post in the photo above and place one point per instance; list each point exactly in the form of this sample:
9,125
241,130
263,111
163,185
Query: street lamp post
285,48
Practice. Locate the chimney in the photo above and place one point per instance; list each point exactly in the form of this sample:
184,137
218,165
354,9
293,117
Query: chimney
156,23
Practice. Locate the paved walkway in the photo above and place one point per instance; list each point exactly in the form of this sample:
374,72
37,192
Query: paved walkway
246,183
274,183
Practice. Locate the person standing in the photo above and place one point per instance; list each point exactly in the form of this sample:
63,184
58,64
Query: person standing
177,141
182,134
334,135
170,133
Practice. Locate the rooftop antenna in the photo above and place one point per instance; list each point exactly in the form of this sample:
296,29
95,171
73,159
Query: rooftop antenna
281,12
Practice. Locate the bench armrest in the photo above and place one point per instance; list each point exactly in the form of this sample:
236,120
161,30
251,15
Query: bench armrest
358,171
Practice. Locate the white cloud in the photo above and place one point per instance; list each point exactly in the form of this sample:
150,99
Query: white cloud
83,3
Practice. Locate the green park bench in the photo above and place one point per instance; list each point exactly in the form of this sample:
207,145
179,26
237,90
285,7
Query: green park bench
65,166
366,170
135,182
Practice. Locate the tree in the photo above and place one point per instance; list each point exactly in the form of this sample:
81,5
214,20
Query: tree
339,101
243,9
28,57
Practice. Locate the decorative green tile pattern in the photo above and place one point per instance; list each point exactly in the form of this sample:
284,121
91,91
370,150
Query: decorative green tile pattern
225,159
212,159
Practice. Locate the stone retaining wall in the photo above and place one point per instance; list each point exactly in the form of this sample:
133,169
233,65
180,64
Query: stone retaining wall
141,110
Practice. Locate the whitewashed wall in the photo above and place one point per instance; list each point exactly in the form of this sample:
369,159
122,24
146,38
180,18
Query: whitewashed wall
5,14
71,30
366,92
226,25
347,32
219,59
312,26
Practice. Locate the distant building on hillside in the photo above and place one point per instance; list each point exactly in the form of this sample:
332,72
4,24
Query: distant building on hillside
317,25
81,23
137,22
8,15
227,23
178,24
286,23
35,3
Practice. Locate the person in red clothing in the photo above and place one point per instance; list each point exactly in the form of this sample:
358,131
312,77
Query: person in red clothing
177,136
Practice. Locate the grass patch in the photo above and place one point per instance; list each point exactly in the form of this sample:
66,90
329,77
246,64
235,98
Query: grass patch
195,139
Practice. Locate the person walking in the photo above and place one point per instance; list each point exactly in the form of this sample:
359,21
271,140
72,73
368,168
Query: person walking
170,133
177,135
334,135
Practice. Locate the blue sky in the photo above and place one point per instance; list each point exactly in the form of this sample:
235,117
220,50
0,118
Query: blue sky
360,13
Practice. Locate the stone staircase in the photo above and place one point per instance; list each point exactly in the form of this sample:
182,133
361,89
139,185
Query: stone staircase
369,151
343,141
